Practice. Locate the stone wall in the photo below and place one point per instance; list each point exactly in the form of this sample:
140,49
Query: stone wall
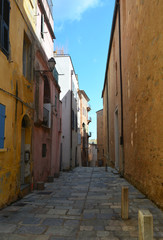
142,62
140,156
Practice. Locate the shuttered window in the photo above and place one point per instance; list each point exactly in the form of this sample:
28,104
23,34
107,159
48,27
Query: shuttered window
4,26
42,25
27,58
72,120
2,125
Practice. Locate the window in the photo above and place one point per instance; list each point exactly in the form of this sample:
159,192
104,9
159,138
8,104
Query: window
2,125
42,25
60,125
4,26
27,58
55,102
76,123
72,120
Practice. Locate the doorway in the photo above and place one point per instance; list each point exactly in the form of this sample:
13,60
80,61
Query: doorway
116,135
22,160
25,172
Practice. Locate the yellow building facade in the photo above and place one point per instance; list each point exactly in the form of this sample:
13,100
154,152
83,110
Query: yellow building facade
16,97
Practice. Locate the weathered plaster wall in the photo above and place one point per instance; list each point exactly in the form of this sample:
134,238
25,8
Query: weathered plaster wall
142,57
142,62
100,154
12,81
42,165
114,95
105,128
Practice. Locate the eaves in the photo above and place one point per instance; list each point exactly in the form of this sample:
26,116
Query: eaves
47,19
111,41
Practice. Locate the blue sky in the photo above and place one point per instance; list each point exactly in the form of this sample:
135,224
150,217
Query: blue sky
82,28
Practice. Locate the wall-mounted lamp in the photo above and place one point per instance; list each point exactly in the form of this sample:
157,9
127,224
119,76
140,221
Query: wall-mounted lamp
51,65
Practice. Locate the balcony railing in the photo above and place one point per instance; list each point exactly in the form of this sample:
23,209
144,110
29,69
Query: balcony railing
90,134
89,120
50,4
55,74
45,117
88,107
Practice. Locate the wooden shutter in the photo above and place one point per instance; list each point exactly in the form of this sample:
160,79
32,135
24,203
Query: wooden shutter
2,125
42,25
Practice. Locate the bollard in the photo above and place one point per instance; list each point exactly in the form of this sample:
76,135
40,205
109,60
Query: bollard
50,179
145,222
124,203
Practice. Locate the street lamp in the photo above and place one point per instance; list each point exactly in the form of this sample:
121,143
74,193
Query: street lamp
51,65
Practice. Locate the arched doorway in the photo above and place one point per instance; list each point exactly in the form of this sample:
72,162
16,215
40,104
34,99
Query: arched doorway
25,172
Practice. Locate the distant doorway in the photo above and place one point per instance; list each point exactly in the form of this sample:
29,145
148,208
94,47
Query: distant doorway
116,135
76,160
25,151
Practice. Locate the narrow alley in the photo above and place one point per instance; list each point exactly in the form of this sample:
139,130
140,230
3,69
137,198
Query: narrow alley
82,204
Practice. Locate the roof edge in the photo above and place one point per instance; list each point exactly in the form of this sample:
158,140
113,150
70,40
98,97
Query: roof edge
111,40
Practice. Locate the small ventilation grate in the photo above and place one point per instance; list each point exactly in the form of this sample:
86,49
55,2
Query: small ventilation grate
44,193
20,204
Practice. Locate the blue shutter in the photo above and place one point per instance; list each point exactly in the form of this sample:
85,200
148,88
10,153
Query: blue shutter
2,125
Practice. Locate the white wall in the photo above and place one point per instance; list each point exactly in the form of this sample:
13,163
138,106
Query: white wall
65,139
66,73
47,41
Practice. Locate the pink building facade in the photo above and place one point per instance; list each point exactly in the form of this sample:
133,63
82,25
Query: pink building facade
47,116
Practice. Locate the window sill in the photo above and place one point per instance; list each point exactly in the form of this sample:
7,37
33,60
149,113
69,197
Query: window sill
3,150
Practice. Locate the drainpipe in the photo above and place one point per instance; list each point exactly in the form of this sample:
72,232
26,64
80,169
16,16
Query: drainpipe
71,122
121,90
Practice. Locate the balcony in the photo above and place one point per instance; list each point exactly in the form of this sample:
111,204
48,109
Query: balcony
50,4
88,107
89,134
89,120
55,74
47,115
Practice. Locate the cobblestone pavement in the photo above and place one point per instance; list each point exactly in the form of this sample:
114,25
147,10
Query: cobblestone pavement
82,204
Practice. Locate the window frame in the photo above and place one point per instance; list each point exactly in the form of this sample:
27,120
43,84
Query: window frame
27,58
42,25
4,26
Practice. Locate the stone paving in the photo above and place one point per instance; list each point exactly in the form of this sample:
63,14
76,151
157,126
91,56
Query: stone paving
82,204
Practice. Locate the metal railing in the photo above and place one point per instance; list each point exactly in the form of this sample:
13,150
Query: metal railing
89,119
55,74
50,4
88,107
90,134
45,117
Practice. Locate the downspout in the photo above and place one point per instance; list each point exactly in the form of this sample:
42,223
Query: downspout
71,122
121,90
